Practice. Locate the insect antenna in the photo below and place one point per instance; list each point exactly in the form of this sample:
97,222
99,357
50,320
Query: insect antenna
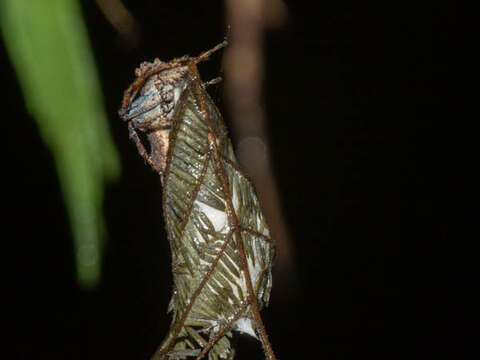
205,55
214,81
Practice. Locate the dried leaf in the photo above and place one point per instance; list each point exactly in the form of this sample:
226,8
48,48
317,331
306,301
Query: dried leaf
221,249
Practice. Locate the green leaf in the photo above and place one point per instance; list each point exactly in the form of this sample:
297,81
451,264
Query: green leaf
48,45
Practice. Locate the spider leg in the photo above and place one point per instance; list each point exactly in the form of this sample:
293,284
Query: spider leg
212,82
152,124
132,133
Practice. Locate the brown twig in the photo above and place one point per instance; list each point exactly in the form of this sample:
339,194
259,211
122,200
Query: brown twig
121,19
220,332
244,72
234,221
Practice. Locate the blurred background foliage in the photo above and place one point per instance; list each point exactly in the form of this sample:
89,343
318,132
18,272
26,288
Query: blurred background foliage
48,46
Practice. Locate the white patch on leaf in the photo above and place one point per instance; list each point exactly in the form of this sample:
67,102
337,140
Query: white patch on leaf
217,218
235,198
245,325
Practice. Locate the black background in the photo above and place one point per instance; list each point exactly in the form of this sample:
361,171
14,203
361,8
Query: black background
351,93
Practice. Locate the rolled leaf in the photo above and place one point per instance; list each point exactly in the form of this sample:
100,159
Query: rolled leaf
222,254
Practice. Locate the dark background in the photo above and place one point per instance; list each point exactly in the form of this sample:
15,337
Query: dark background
351,92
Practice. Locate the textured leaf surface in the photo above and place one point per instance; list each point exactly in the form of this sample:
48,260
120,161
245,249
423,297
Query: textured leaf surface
210,291
222,253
